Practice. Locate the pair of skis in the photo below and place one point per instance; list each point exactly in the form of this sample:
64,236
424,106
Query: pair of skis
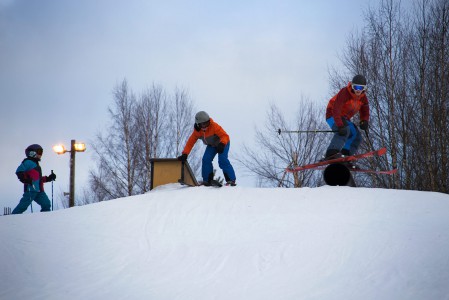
321,164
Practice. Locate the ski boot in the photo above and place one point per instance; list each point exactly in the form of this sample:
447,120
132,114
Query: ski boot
231,183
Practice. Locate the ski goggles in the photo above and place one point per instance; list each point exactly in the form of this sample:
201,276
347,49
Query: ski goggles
358,87
34,153
203,124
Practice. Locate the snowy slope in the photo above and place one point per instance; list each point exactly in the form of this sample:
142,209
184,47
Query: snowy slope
233,243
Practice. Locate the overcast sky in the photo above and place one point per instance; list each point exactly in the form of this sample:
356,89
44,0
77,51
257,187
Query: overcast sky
60,60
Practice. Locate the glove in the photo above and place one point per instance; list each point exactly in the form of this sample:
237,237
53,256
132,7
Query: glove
363,125
51,177
220,148
182,157
343,131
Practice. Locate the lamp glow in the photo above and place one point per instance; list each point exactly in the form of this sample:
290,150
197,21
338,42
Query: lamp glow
59,149
79,147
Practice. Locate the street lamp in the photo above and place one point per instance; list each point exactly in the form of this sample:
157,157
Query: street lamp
74,147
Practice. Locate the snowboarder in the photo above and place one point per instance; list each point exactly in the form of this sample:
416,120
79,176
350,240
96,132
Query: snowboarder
217,142
30,174
341,108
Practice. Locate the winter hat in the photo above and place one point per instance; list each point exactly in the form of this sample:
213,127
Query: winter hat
359,79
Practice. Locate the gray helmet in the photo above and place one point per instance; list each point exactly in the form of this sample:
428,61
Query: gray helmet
359,79
201,117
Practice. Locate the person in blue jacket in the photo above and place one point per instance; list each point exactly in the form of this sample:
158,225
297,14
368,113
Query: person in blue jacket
30,174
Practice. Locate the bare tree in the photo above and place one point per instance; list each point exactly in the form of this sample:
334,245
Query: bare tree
182,126
152,126
406,62
116,156
431,88
276,151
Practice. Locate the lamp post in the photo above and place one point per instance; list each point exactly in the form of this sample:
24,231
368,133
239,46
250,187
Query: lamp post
74,147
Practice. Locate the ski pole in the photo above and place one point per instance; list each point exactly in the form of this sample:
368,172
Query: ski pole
371,144
31,199
369,140
279,131
52,192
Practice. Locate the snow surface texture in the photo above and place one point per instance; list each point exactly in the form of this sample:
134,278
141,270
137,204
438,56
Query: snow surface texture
233,243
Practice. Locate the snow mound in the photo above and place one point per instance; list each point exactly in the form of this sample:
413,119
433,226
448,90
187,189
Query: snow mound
179,242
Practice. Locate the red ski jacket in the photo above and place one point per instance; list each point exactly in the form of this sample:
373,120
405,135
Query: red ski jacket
345,104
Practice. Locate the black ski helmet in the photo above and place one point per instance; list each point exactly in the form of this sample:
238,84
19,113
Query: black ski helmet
33,150
201,117
359,79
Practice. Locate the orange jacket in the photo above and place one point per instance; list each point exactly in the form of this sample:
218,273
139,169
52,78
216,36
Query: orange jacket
212,136
345,104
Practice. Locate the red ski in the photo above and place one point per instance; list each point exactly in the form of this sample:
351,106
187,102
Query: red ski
370,171
379,152
386,172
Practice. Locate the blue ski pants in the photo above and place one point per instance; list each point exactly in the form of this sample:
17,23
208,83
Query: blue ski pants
350,142
223,163
40,198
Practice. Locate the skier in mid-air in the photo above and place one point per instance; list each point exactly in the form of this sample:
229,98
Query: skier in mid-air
341,108
346,140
